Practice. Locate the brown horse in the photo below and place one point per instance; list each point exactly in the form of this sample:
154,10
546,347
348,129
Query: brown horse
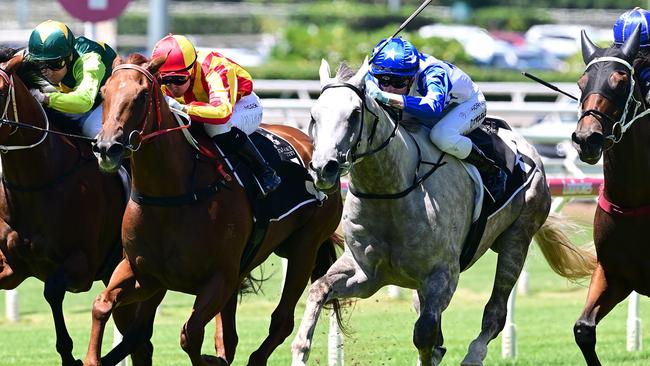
59,216
195,246
615,124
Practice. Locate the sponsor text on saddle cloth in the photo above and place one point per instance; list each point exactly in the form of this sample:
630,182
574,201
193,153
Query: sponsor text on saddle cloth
296,190
496,139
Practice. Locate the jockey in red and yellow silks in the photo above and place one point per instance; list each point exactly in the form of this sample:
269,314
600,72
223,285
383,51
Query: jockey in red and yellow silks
216,91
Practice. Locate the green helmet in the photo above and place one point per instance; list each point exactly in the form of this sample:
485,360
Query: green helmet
50,40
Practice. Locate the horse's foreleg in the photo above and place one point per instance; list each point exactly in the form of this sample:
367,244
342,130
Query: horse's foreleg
513,246
344,279
435,295
209,301
300,266
73,274
122,289
135,322
10,277
604,293
225,335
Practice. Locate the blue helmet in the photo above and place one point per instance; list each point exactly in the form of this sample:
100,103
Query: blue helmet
399,57
627,23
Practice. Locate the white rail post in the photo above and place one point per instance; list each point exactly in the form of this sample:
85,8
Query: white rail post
523,286
117,338
285,264
11,308
633,323
509,334
334,343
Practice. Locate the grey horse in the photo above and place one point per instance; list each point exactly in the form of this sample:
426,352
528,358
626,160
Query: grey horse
414,240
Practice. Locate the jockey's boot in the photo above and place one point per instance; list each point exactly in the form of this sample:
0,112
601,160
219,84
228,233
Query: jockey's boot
494,176
266,175
237,142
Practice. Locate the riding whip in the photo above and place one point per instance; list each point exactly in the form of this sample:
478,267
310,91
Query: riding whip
401,27
548,85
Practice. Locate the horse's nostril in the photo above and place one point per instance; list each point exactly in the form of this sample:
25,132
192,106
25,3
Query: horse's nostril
331,168
574,138
115,150
595,139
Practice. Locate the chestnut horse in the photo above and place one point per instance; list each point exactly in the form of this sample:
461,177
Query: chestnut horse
196,247
614,124
60,216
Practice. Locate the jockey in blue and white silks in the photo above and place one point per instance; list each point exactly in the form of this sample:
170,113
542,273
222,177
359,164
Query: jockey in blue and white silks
437,94
623,28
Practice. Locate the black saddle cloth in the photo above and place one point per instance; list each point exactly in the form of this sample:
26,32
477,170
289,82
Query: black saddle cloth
289,196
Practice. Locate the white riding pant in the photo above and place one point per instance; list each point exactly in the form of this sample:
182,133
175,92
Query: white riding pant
89,122
246,115
448,133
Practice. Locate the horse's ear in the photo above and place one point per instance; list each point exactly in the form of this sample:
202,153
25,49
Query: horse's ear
631,45
118,61
14,63
359,78
588,47
154,64
324,73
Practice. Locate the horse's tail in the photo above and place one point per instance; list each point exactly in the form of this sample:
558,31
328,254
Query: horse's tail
565,258
325,257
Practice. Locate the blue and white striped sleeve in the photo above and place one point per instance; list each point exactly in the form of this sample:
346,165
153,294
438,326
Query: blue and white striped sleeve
434,85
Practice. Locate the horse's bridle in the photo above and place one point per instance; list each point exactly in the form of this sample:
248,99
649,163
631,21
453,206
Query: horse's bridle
621,126
11,98
352,157
154,103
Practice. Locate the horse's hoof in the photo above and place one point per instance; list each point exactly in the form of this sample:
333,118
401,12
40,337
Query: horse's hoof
73,363
214,361
469,362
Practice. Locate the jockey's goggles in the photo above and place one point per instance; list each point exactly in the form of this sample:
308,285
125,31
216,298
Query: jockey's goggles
54,65
174,79
394,81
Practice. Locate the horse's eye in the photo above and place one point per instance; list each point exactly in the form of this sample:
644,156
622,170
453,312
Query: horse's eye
618,81
582,82
355,115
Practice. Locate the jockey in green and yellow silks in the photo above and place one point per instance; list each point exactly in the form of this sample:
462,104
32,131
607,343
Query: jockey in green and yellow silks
76,67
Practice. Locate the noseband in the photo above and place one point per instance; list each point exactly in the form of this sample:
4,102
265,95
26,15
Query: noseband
622,125
352,157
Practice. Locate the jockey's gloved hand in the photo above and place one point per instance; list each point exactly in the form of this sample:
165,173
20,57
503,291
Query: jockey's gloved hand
38,95
174,104
372,89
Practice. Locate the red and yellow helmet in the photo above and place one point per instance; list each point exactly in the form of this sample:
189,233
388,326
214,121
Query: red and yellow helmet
180,53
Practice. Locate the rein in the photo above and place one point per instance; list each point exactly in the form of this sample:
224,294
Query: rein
621,126
154,104
11,97
352,157
196,195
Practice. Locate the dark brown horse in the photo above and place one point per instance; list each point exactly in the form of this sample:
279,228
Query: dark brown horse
614,124
60,216
196,247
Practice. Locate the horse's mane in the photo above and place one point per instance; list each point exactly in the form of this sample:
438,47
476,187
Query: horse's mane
641,61
136,59
27,72
344,72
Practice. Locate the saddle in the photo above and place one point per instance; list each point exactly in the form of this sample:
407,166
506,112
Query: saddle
492,137
295,191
